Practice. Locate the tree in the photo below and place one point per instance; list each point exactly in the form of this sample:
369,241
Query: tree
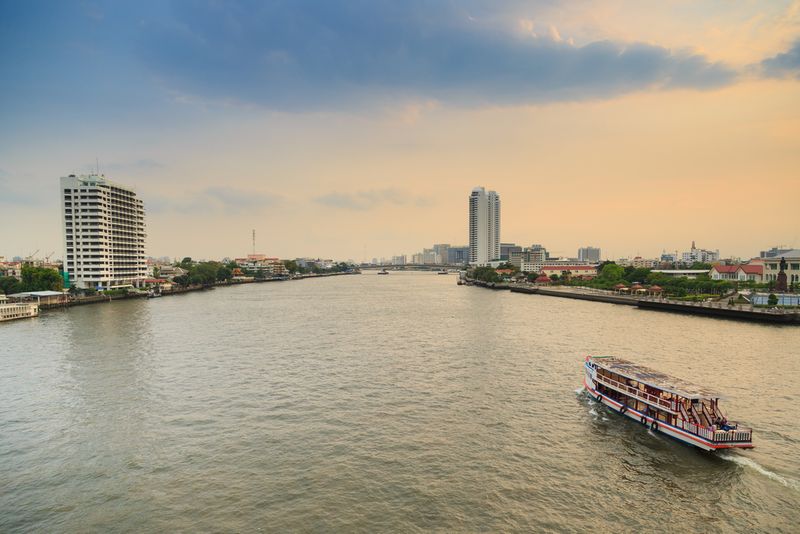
156,271
224,273
701,265
204,273
9,285
485,274
636,274
611,272
41,279
772,300
291,266
508,265
554,277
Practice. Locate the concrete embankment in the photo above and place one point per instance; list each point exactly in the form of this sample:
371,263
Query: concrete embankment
727,312
97,299
708,309
567,294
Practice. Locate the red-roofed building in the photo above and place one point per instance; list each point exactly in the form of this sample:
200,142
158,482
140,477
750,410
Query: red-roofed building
753,272
723,272
576,271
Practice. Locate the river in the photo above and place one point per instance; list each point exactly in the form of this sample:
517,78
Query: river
400,403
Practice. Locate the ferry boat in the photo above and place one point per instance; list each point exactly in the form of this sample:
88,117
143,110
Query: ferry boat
681,410
442,271
383,271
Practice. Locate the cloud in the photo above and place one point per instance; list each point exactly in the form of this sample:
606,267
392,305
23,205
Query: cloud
783,65
367,200
306,54
228,200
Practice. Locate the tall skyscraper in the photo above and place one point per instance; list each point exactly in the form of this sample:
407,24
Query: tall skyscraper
484,226
103,233
590,254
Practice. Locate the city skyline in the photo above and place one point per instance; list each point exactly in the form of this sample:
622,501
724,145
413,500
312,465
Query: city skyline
676,124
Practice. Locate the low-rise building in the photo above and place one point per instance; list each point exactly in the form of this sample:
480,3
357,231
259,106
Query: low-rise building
42,298
530,259
644,263
751,272
700,255
170,272
506,249
262,264
11,268
575,271
681,273
724,272
772,266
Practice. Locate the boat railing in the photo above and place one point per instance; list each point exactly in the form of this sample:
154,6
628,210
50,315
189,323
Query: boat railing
698,430
735,434
717,435
636,392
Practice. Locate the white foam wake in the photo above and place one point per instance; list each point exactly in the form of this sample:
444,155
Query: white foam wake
579,390
747,462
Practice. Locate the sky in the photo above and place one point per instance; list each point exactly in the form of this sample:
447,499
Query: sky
356,129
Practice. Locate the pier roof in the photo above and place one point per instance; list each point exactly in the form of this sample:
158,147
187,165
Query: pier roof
656,379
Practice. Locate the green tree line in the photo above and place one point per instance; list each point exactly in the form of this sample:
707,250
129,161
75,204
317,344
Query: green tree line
33,279
204,273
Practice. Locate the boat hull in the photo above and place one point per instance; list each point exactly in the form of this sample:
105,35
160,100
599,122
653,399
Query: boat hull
665,428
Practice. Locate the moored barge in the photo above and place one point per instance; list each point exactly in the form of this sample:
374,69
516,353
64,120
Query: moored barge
22,310
681,410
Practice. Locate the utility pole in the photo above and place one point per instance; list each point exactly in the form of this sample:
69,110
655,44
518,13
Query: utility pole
254,242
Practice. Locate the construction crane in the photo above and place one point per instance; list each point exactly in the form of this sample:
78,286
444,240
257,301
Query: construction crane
47,258
30,256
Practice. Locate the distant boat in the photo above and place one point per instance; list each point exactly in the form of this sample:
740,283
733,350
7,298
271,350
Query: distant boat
383,271
443,271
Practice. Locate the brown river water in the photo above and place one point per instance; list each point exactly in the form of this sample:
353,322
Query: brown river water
398,403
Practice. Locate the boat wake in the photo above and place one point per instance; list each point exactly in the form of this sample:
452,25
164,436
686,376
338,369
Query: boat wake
747,462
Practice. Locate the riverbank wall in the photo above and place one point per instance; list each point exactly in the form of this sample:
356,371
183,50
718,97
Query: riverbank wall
595,297
741,313
97,299
712,309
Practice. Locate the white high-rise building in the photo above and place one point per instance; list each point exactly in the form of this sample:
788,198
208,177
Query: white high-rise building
484,226
103,233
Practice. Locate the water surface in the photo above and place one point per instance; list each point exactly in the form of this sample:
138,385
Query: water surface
379,403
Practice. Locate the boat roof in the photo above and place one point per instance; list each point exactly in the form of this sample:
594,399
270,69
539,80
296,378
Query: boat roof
656,379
